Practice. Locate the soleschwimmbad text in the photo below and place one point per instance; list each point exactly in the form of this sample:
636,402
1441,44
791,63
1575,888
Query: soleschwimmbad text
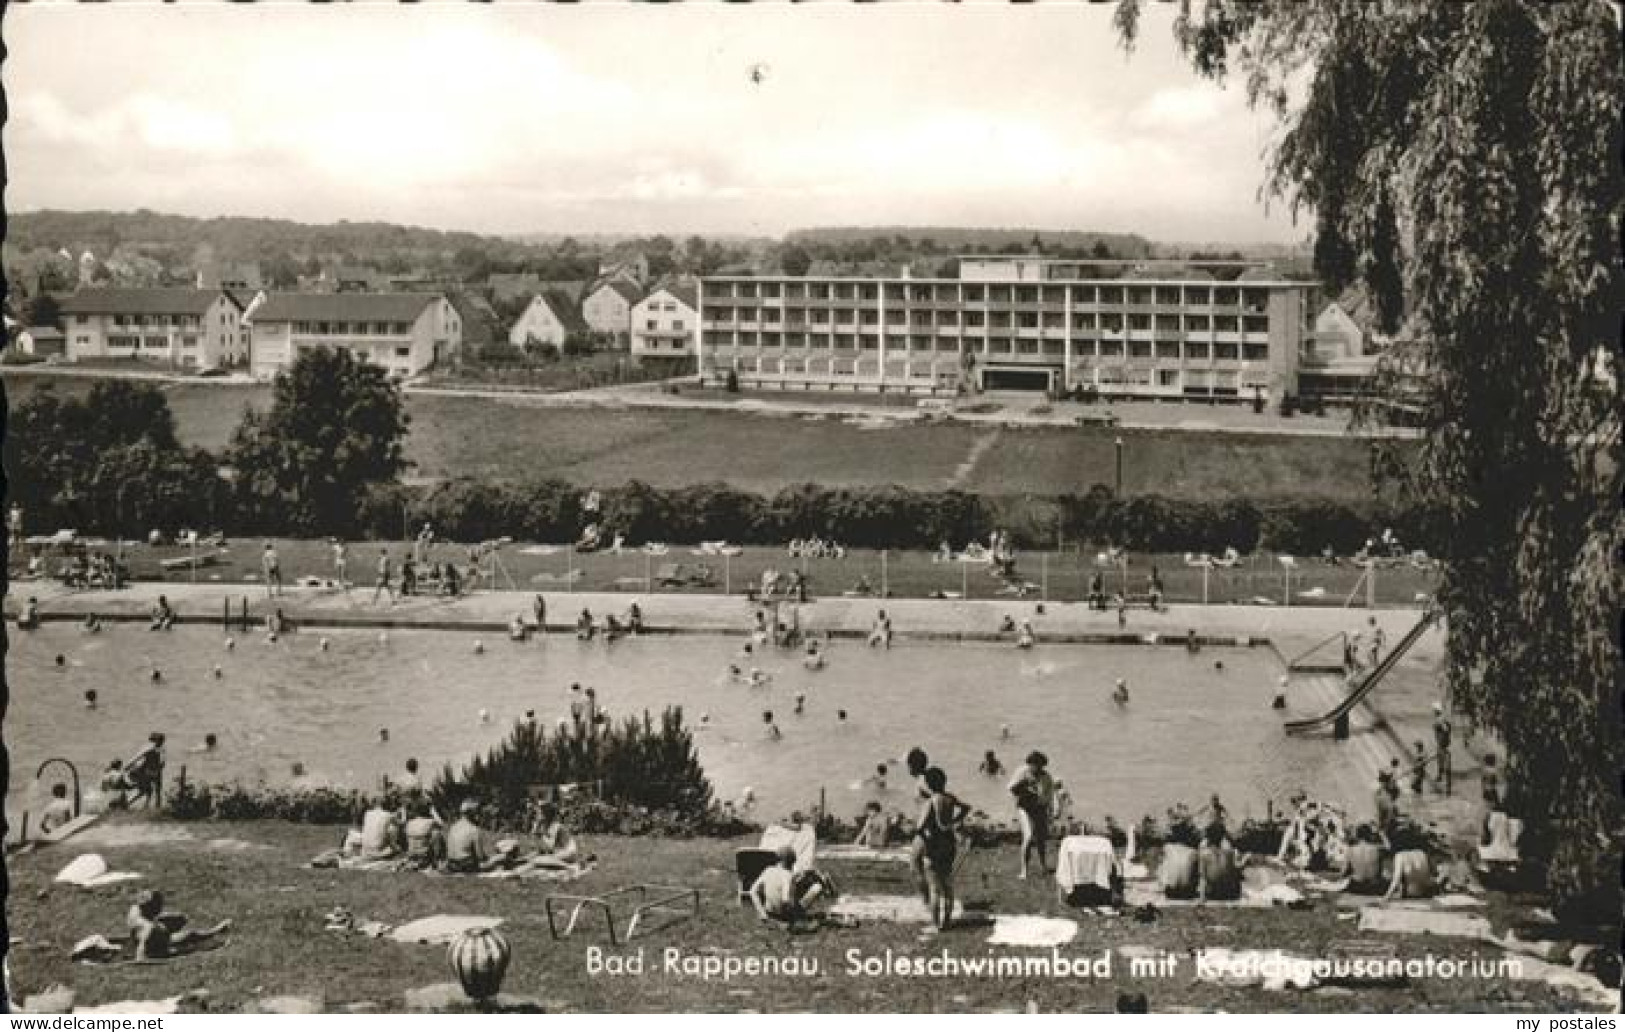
1222,966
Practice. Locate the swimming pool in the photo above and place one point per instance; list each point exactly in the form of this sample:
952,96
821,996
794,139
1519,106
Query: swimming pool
1190,728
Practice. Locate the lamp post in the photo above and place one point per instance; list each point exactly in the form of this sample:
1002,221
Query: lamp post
1117,447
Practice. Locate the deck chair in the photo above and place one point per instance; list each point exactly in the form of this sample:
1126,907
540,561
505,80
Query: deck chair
751,861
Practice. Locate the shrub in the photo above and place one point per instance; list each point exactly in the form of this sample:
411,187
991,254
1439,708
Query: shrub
639,767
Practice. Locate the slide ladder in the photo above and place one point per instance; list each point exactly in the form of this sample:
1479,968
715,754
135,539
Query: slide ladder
1338,715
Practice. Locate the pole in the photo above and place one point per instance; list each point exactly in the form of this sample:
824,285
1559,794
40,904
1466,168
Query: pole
648,577
964,579
884,592
570,566
1118,447
1043,576
1286,585
727,574
1371,585
1204,583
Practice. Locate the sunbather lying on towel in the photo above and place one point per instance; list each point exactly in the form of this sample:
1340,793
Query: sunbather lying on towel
158,935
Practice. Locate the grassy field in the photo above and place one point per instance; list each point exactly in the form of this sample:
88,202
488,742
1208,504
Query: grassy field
458,436
254,874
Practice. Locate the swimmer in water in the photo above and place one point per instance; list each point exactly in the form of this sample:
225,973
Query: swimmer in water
1120,693
990,765
759,679
1004,731
878,778
485,716
1024,639
231,643
218,673
91,624
801,703
210,743
734,673
479,647
1280,693
814,659
323,644
61,660
840,715
773,731
705,719
298,769
90,698
383,735
157,675
1218,664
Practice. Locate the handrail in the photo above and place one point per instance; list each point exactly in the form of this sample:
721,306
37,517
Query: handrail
1372,676
72,770
1316,648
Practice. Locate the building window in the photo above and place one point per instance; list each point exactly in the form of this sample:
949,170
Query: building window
403,352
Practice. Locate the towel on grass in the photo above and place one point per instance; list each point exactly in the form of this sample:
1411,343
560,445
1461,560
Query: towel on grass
896,909
1423,922
1028,930
892,854
441,928
89,871
168,1005
99,949
541,868
335,859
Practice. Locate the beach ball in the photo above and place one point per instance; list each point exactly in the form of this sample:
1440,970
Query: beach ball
479,958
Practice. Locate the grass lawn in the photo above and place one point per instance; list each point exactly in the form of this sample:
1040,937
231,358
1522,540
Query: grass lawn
518,438
278,945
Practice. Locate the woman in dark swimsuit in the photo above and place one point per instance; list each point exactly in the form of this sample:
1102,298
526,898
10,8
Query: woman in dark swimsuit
938,833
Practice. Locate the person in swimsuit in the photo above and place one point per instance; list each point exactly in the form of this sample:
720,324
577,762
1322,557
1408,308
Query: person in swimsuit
382,585
158,935
938,833
1034,790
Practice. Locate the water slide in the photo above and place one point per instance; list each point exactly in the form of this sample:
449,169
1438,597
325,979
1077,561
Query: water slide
1340,712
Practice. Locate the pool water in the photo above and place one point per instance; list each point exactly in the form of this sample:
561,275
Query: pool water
1189,729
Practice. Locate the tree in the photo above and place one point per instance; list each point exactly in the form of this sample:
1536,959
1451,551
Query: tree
334,431
44,310
1462,162
795,260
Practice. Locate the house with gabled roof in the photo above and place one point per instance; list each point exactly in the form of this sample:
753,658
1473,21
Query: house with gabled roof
551,319
664,323
181,326
607,309
402,333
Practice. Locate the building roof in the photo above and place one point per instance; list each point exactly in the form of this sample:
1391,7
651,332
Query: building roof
344,307
683,292
140,301
628,291
564,309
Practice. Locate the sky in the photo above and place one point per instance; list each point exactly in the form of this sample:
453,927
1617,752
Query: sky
745,119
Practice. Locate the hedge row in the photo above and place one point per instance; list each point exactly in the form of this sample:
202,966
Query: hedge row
888,517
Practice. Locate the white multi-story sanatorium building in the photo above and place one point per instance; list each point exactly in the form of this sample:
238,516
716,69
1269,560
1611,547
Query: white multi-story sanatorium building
1165,330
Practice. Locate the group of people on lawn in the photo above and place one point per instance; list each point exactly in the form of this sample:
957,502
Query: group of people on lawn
403,825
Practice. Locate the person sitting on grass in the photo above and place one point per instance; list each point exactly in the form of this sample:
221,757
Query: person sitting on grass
163,617
782,896
1412,877
553,838
28,619
381,835
157,935
425,836
1219,868
57,812
1363,865
465,843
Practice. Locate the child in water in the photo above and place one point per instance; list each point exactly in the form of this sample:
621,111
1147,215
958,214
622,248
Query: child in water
1120,693
773,731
